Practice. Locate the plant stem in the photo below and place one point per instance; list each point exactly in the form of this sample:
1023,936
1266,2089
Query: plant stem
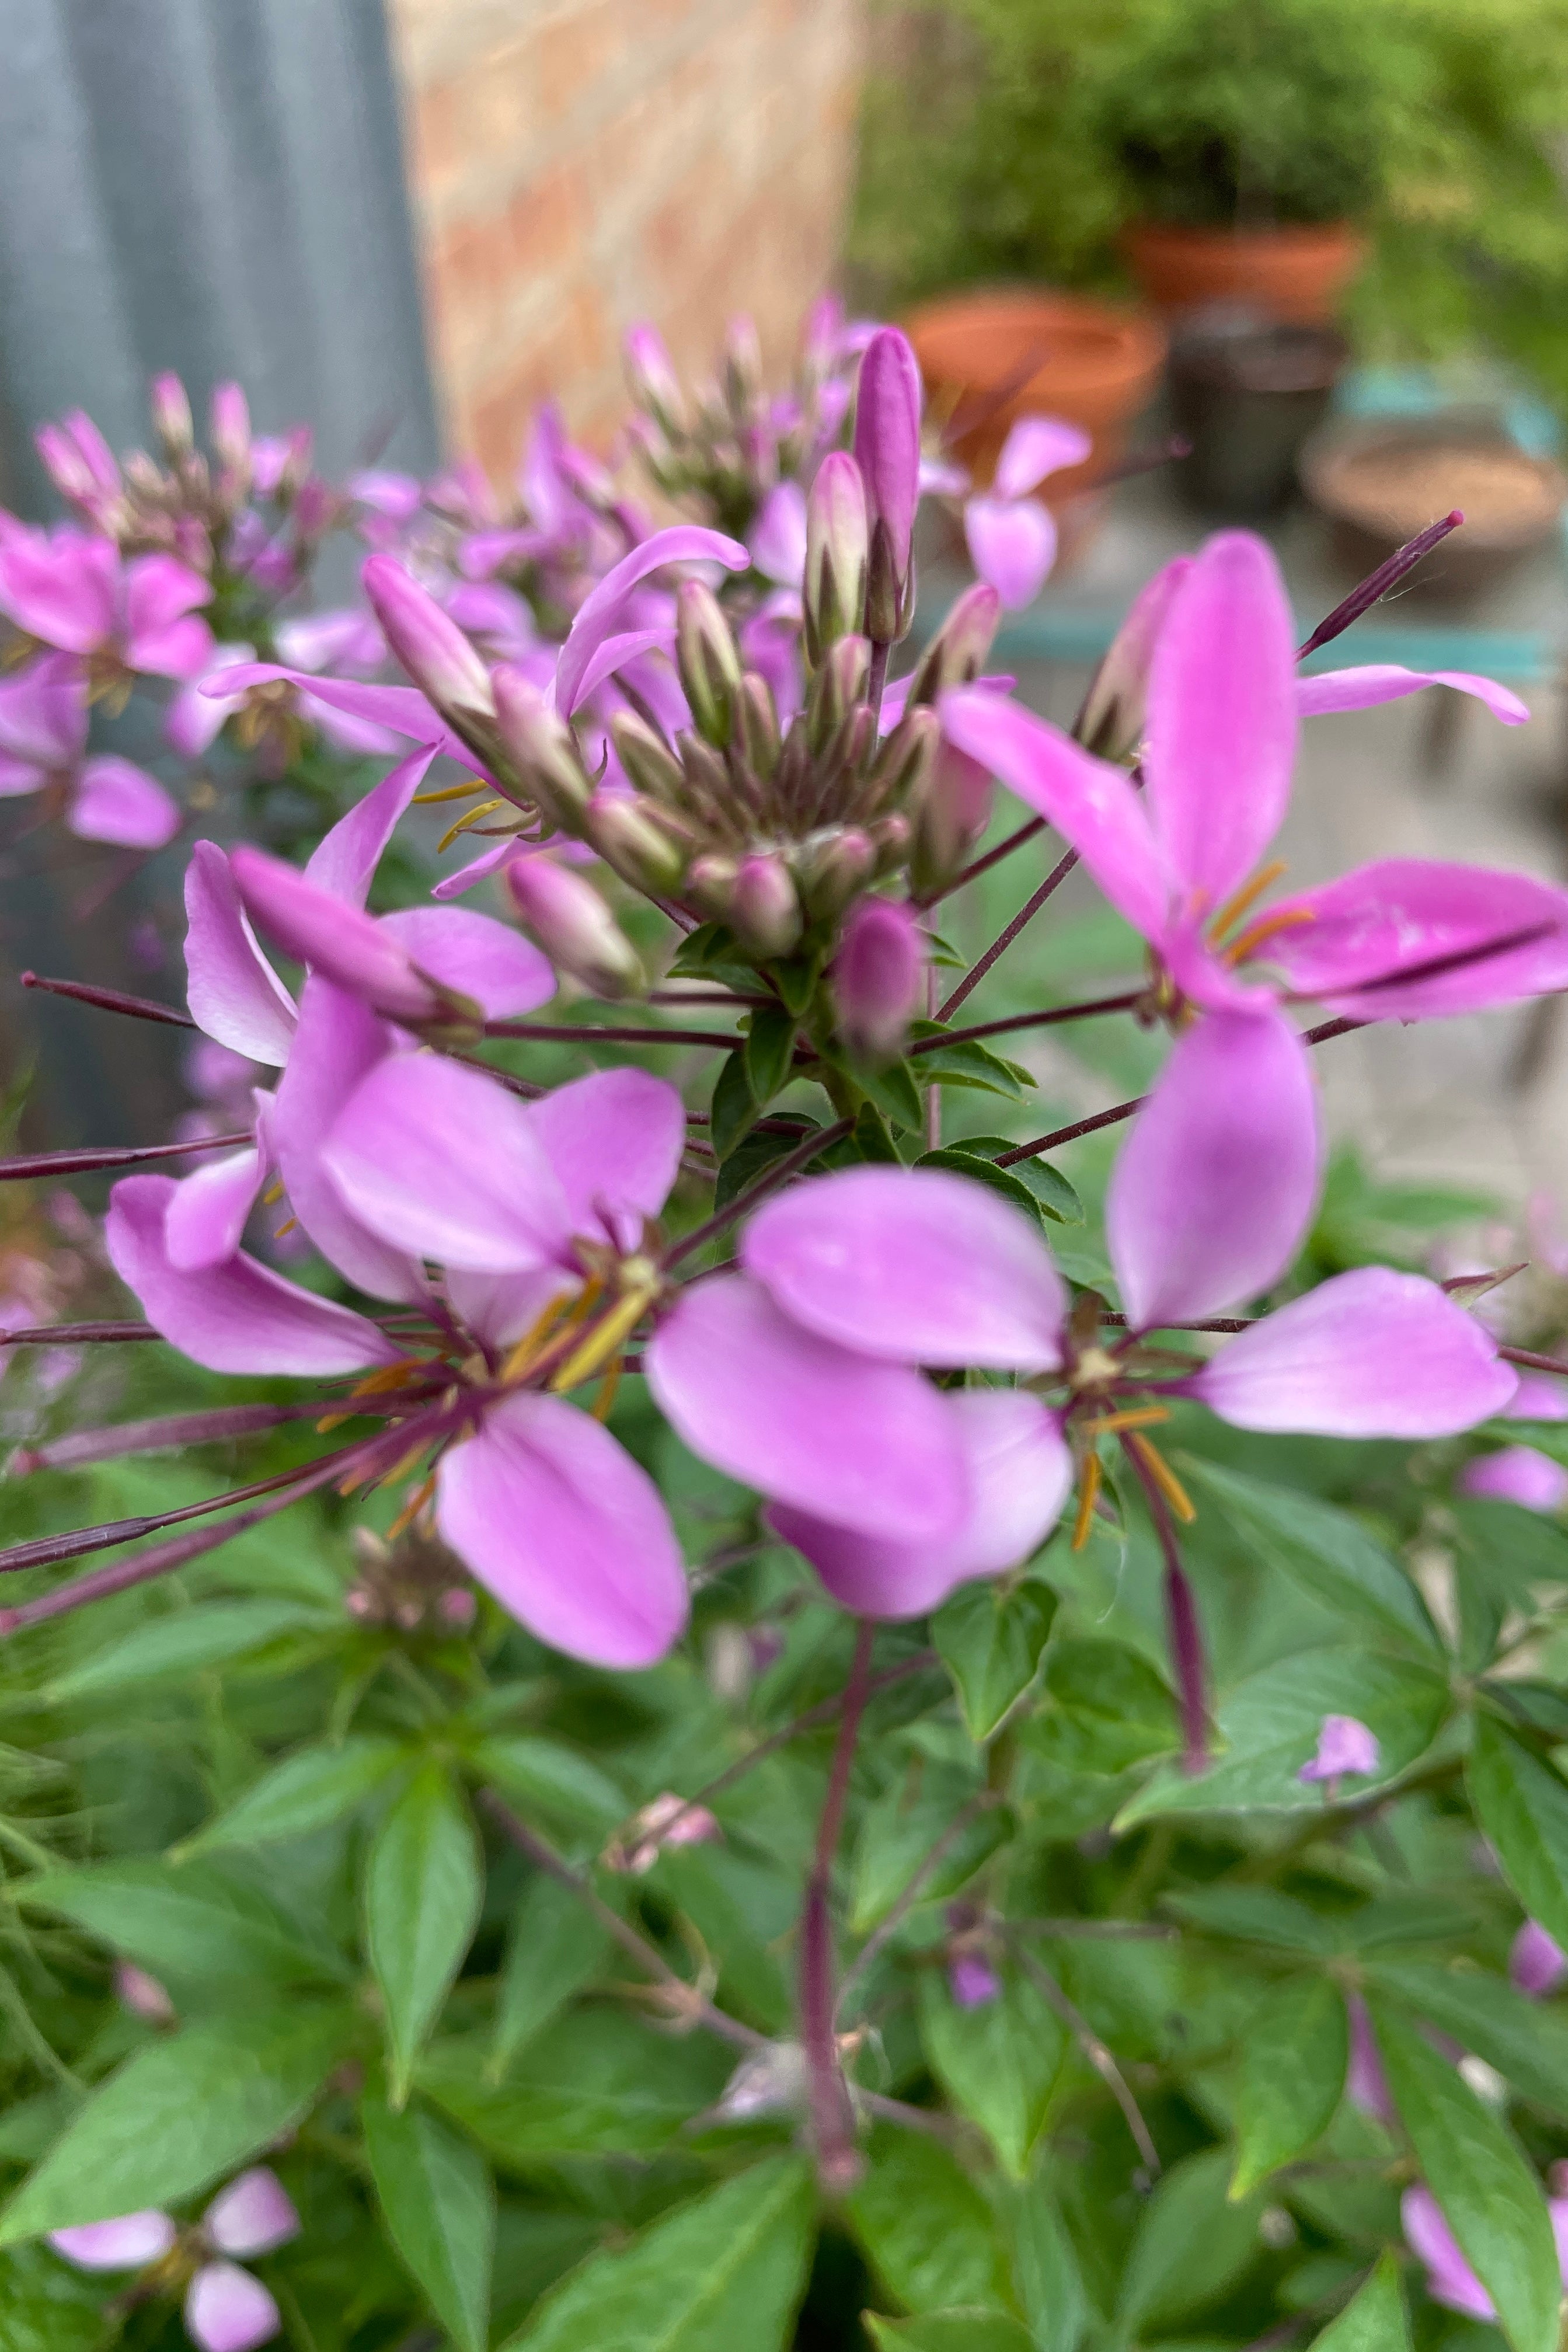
992,857
1182,1623
82,1163
831,2108
1042,1020
564,1033
1095,2050
778,1171
999,946
909,1892
109,1000
75,1335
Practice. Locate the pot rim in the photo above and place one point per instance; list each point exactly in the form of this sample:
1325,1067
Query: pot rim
1324,453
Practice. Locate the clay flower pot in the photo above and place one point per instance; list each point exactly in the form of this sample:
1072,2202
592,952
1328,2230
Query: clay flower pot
990,357
1380,481
1291,273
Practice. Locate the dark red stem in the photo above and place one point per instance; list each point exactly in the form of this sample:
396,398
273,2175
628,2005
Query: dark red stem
1031,1021
1377,584
831,2106
565,1035
1025,914
74,1335
992,857
777,1172
81,1163
109,1000
1185,1632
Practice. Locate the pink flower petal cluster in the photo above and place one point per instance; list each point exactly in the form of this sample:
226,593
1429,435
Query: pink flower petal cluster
226,2309
1012,537
76,591
1344,1745
43,741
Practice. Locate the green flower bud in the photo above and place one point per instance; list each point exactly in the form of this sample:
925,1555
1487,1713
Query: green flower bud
707,661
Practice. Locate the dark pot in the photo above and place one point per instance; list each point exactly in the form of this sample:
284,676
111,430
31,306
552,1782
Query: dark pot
1245,393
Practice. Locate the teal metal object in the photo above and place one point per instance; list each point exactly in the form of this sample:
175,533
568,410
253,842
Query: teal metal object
1082,633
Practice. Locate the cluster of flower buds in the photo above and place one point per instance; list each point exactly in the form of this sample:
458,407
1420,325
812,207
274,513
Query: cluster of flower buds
731,442
413,1584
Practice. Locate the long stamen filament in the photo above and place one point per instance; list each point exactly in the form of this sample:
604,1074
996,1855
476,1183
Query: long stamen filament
464,792
472,817
1088,1495
1284,919
1164,1477
1137,1416
1237,905
412,1508
562,1312
605,1341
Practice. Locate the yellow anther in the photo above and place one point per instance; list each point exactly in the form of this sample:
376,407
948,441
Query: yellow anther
451,792
412,1508
273,1194
606,1340
1164,1477
385,1376
561,1311
1137,1416
288,1226
486,808
1088,1495
404,1462
1237,905
1285,919
603,1403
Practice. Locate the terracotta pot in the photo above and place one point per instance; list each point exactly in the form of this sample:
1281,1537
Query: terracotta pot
1292,273
1382,480
989,358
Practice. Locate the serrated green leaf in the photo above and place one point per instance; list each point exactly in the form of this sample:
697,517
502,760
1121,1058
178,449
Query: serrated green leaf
556,1945
184,1642
968,1063
1257,1915
1324,1549
999,2063
438,2202
992,1641
733,1108
187,1922
1523,1809
306,1791
1374,2318
950,2331
927,2230
552,1779
1525,2039
1490,2195
179,2115
725,2271
769,1050
597,2084
1294,2049
1191,2243
422,1890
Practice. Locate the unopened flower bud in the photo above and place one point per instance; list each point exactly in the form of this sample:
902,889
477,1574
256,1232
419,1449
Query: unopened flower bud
541,749
628,839
142,1995
708,660
442,662
65,465
831,869
348,946
837,553
645,755
743,365
957,654
652,377
954,812
902,766
710,885
570,921
230,427
972,1980
1110,723
878,978
765,908
839,687
171,407
891,838
757,719
887,449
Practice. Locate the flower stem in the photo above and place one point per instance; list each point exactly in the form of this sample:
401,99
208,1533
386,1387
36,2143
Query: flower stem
777,1172
82,1163
993,857
564,1033
832,2109
1042,1020
109,1000
999,946
1185,1632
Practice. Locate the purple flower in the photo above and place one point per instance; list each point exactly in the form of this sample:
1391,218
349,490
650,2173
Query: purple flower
227,2310
799,1375
43,738
878,977
1450,2278
198,714
777,538
1366,2084
1344,1745
972,1980
888,403
1537,1965
1517,1474
1012,537
75,591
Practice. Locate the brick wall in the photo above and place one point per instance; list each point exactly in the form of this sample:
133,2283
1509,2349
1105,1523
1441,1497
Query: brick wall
580,163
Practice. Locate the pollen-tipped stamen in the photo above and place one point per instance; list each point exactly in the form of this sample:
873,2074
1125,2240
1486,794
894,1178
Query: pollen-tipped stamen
1088,1496
1238,904
1164,1477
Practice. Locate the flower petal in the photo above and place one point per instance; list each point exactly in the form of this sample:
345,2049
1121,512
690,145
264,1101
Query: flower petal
43,712
349,948
613,1140
1013,544
498,1309
227,2310
234,993
777,538
1517,1474
1375,682
600,609
239,1317
345,858
339,1043
1222,716
614,653
1214,1188
402,709
554,1517
446,1163
114,800
207,1213
252,2215
1020,1472
61,586
125,2243
1450,2278
503,973
1368,1354
1090,804
916,1265
868,1445
1036,446
1360,932
1536,1964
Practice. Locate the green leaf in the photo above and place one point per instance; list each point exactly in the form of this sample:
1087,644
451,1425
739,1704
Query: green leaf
969,1064
1374,2318
950,2331
768,1051
733,1108
929,2233
894,1092
1511,1547
545,1778
998,2063
597,2084
1269,1727
557,1945
1525,2039
1491,2197
188,1923
750,1156
992,1641
309,1791
1257,1915
897,1833
1523,1809
46,2306
180,2113
184,1642
1191,2243
981,1170
725,2270
438,2202
1294,2049
422,1891
796,977
1109,1708
1324,1550
1047,1186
